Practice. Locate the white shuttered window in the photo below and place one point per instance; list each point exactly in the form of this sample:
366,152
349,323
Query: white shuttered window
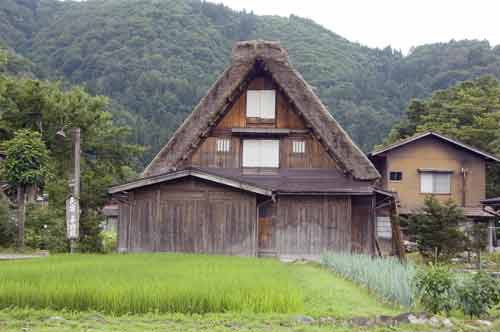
435,183
261,104
298,146
261,153
223,145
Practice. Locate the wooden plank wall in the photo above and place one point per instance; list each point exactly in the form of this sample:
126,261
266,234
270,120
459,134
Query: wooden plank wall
286,115
207,156
363,228
189,216
306,225
315,155
286,118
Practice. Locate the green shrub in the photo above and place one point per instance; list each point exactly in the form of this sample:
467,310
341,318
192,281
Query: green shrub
46,229
7,225
386,277
436,288
436,230
478,293
90,233
109,242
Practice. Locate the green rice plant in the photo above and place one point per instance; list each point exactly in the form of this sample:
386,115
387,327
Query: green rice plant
386,277
141,283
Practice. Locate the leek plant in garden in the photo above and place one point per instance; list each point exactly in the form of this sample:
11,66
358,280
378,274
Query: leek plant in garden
386,277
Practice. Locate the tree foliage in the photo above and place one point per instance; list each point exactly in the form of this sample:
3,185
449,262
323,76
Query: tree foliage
155,60
436,229
27,161
467,112
43,108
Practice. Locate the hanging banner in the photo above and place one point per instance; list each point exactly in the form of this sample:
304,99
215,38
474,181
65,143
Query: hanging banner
72,218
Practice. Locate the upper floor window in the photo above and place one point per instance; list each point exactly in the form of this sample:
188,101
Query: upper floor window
223,145
261,153
435,182
298,146
396,176
261,104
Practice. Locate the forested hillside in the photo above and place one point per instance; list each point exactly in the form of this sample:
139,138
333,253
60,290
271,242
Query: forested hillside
156,58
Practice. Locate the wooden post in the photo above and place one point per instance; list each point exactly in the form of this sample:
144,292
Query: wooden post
397,238
76,181
21,215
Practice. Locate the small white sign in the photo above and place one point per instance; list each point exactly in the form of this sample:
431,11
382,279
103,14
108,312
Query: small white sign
72,218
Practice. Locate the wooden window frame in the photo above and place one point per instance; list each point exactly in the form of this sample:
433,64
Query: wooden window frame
261,120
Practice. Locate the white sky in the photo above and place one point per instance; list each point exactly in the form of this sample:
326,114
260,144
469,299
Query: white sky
401,24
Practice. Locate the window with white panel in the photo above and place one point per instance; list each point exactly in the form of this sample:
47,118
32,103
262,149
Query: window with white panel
435,183
261,153
261,104
223,145
298,146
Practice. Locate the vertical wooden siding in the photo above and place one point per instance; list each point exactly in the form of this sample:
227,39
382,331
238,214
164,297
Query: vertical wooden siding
286,115
363,228
306,225
189,216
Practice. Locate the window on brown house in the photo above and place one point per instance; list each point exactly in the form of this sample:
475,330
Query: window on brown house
435,183
396,176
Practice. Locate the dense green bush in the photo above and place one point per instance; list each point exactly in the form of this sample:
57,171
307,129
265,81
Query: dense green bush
436,288
46,229
478,293
109,241
386,277
7,225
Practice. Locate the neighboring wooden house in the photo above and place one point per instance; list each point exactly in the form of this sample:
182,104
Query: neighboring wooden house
260,167
433,164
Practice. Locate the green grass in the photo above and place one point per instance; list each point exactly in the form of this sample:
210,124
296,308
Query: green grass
326,294
176,283
28,320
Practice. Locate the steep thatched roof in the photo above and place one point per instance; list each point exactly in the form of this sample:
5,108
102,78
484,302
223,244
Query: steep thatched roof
248,57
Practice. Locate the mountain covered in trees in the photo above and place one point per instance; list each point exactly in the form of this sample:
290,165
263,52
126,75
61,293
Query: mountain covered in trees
156,58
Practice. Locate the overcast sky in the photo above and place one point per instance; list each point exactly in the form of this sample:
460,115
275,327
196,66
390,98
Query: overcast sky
401,24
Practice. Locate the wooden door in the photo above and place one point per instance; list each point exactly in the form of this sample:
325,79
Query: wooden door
265,233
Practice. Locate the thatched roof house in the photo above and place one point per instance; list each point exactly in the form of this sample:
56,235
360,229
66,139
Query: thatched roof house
259,166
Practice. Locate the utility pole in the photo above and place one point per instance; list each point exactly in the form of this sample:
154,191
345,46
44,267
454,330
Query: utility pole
76,185
73,202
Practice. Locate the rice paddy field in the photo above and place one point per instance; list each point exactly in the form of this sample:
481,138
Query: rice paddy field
176,283
150,282
173,292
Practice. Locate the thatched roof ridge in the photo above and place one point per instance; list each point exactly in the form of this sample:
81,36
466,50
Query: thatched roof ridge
274,59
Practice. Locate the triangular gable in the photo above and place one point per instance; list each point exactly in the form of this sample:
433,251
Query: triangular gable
247,57
443,138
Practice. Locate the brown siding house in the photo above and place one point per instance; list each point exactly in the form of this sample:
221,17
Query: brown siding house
260,167
432,164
